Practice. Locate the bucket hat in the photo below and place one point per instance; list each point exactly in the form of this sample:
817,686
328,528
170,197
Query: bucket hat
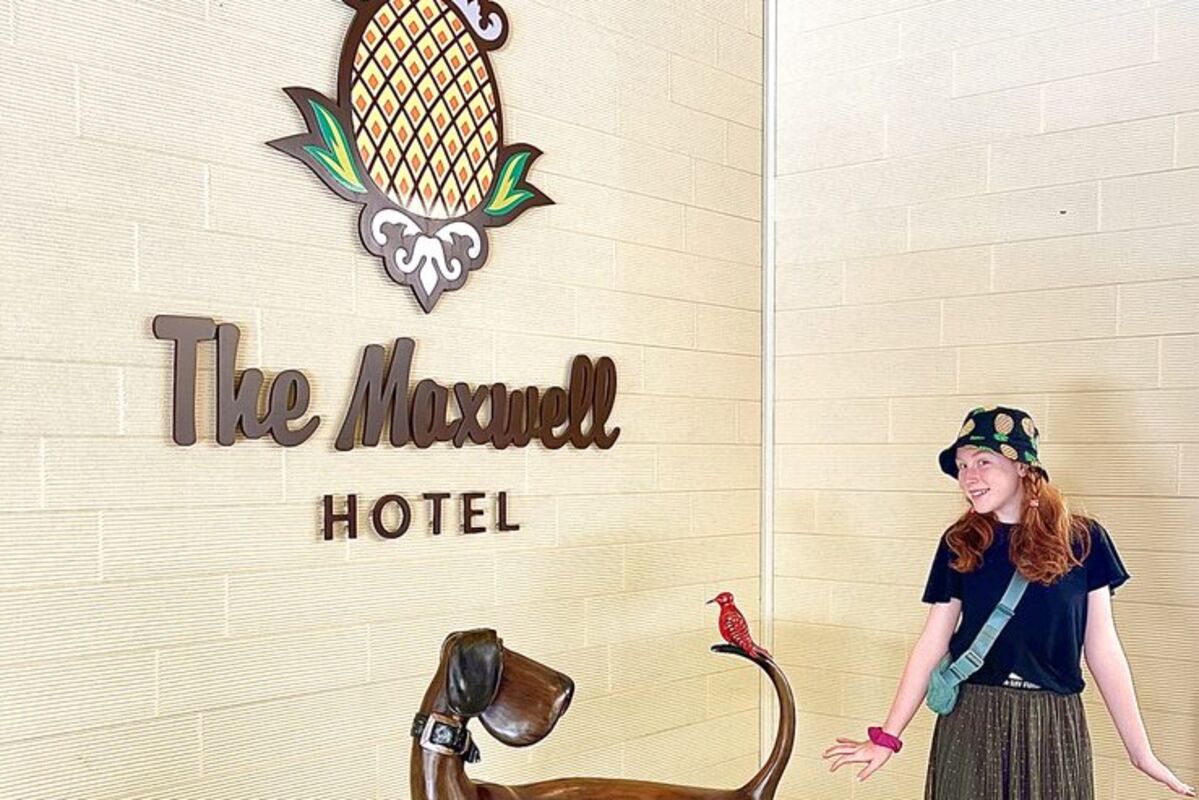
1000,429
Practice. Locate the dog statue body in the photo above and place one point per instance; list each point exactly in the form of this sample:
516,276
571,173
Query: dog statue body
596,788
519,701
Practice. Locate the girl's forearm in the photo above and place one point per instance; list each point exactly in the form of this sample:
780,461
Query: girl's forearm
1110,668
913,685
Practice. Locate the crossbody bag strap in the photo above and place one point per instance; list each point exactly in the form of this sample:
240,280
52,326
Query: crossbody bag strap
972,660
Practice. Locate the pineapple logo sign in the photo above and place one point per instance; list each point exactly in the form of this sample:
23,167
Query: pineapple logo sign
416,138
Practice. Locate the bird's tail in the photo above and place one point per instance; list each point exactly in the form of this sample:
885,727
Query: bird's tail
763,785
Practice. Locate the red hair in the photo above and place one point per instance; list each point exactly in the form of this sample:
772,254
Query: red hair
1045,544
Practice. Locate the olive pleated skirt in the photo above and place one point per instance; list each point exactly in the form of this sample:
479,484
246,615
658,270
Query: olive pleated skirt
1003,743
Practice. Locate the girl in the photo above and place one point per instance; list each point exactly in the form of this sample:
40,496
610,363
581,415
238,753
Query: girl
1017,730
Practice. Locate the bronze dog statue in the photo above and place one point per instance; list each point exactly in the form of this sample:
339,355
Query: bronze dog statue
519,701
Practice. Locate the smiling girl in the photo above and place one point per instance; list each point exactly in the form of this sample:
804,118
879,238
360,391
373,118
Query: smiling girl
1031,585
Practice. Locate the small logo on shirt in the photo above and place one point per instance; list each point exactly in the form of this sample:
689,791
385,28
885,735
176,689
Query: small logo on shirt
1014,681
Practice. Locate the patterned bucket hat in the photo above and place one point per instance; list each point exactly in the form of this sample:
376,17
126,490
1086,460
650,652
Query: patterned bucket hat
1007,431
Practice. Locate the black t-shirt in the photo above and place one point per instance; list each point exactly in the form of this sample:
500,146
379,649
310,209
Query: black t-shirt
1042,644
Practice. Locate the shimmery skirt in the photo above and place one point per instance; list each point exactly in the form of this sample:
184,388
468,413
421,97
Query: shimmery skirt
1003,743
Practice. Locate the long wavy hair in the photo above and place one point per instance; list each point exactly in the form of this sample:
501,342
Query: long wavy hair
1045,544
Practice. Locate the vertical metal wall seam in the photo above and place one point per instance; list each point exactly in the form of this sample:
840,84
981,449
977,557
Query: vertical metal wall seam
767,715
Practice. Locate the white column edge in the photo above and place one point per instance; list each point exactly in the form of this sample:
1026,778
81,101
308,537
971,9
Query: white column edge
767,716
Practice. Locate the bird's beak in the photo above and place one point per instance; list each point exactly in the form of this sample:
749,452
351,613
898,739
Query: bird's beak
710,602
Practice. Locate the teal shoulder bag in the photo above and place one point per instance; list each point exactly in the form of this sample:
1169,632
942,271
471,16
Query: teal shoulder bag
948,676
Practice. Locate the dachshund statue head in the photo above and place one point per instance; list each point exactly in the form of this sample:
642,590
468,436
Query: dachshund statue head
517,700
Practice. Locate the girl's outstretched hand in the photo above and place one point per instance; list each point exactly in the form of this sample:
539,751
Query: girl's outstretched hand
1155,769
851,751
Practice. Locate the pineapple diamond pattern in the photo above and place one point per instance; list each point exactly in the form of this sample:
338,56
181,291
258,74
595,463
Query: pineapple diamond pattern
372,35
386,57
397,37
420,90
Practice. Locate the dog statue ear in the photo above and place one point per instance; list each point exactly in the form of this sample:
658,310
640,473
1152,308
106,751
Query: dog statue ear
472,676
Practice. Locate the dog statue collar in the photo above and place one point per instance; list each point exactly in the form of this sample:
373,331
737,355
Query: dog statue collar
438,733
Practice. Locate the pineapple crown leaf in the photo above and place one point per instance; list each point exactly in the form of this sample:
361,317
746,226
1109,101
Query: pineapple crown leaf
508,193
335,156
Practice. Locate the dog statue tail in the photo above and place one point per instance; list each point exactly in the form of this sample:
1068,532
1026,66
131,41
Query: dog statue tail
763,785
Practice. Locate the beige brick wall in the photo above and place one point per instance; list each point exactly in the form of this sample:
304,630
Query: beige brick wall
981,202
170,623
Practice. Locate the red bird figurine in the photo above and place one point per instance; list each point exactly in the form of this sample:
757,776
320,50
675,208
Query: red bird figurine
734,628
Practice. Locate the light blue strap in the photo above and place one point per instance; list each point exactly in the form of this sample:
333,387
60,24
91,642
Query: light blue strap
972,660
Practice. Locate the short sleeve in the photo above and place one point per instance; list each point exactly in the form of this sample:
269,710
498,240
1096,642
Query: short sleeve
1103,565
943,584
